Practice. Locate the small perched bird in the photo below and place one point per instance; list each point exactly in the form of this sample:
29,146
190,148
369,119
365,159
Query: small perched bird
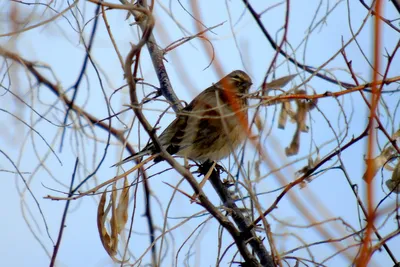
209,127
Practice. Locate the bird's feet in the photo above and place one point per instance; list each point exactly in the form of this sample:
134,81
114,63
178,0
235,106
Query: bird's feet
204,167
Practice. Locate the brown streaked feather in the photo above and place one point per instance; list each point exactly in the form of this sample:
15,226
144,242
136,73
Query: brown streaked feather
208,128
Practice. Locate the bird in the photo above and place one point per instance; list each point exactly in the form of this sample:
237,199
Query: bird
209,128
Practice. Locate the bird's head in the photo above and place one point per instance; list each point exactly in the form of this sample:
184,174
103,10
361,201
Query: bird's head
238,81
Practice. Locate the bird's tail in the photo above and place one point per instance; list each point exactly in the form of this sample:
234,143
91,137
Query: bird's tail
132,157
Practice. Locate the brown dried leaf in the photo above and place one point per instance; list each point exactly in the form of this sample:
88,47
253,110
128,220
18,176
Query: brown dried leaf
394,183
303,107
377,163
396,134
113,221
122,208
286,106
293,148
101,219
391,184
311,164
301,114
303,184
280,82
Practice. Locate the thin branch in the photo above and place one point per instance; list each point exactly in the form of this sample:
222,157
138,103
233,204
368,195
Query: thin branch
64,217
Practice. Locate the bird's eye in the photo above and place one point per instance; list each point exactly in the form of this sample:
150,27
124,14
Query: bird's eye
237,78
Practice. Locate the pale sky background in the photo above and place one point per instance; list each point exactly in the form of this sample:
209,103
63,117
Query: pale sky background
58,45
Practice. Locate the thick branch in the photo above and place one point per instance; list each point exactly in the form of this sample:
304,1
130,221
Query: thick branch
157,57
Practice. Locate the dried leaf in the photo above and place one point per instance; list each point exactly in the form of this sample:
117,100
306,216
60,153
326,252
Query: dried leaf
394,183
311,164
286,106
280,82
303,184
396,134
301,114
375,164
293,148
122,208
396,173
113,221
101,219
118,220
303,107
391,184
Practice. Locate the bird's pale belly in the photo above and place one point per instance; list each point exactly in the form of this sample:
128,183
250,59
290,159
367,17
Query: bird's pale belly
219,143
